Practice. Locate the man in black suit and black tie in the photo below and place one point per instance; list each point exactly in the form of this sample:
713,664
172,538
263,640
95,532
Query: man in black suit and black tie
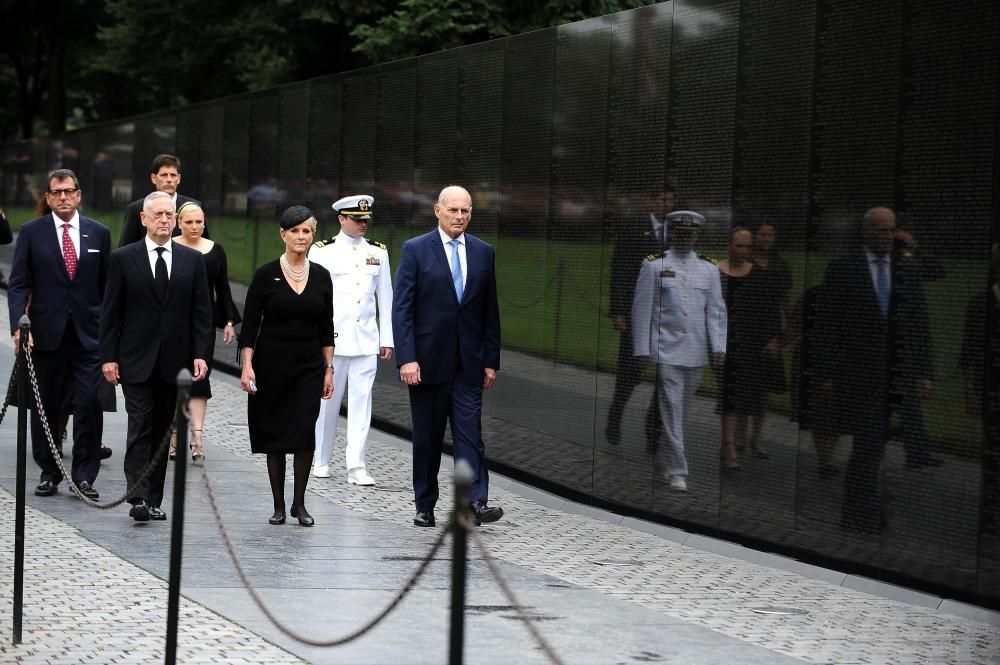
876,359
57,278
156,321
165,175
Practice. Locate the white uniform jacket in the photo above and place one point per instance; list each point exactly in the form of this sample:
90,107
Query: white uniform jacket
678,312
362,293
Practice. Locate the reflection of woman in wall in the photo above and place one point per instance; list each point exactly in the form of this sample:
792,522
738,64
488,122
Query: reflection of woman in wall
740,398
191,221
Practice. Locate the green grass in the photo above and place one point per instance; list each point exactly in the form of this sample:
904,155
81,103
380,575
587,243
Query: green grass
553,301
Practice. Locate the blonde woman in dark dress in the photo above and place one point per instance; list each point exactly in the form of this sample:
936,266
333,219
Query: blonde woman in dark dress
191,221
286,345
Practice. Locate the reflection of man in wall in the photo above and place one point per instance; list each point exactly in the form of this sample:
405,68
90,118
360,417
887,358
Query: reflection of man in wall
639,236
980,363
878,360
678,314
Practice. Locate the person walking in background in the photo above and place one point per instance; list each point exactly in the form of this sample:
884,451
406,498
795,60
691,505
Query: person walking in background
165,174
286,345
641,234
875,318
446,324
59,272
191,221
156,321
678,314
362,310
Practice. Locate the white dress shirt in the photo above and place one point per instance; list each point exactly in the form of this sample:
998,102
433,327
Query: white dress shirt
74,233
152,254
448,249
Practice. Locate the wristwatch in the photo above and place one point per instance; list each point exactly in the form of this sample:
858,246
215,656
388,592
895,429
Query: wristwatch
328,366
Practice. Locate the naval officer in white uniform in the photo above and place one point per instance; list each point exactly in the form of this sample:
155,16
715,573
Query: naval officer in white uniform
678,314
362,317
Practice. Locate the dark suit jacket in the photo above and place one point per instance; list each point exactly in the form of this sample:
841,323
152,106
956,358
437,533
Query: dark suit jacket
429,325
137,328
634,241
133,230
861,351
38,275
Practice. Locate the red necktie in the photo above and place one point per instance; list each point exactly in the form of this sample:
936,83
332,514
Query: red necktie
69,252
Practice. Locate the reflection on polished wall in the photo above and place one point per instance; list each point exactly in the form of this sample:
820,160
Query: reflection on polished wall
860,408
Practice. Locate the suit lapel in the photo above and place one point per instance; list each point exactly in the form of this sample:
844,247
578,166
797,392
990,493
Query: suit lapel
438,250
52,245
179,261
86,240
141,261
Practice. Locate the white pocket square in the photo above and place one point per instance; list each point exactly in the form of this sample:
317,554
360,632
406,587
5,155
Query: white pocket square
95,251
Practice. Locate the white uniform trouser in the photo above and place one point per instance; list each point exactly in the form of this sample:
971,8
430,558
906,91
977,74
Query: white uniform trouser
357,374
677,388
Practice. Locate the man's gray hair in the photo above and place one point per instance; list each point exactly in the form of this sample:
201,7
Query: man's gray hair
152,197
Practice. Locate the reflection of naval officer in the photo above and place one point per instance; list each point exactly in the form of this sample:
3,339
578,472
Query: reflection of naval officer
360,271
677,314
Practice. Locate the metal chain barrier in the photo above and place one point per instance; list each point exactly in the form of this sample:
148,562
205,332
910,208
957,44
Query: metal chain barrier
509,594
130,492
259,602
11,390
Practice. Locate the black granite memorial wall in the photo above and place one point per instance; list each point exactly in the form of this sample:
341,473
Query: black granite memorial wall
861,408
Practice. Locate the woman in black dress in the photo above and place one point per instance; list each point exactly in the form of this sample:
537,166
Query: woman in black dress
286,345
191,221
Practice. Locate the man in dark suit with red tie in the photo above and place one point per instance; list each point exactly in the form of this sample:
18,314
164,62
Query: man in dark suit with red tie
156,321
875,359
446,326
58,278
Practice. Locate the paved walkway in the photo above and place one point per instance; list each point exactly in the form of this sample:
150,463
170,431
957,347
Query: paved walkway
603,589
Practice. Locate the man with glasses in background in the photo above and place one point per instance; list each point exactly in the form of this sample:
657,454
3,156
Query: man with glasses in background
57,278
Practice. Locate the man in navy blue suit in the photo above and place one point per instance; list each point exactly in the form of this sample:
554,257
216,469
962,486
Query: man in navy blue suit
57,277
446,325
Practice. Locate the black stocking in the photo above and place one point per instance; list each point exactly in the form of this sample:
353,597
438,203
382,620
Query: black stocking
302,463
276,474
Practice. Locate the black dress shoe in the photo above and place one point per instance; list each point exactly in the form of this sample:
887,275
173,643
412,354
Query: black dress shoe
302,515
156,514
139,512
485,514
424,518
105,452
277,518
46,488
88,490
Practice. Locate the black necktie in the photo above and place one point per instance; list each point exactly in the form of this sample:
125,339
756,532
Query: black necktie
160,273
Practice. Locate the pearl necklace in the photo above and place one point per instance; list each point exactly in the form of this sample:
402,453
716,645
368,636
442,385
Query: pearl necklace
293,274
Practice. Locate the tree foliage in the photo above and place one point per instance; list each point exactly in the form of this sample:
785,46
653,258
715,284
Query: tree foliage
70,62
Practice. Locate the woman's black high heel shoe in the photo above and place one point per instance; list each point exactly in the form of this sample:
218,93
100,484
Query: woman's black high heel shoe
277,518
300,513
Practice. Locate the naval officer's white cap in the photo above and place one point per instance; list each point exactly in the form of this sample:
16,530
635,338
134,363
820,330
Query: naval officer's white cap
360,206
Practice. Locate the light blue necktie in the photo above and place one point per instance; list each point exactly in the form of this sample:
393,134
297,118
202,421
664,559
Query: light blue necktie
883,286
456,269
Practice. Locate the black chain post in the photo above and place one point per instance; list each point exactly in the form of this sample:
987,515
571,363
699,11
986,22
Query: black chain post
463,484
177,528
24,325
